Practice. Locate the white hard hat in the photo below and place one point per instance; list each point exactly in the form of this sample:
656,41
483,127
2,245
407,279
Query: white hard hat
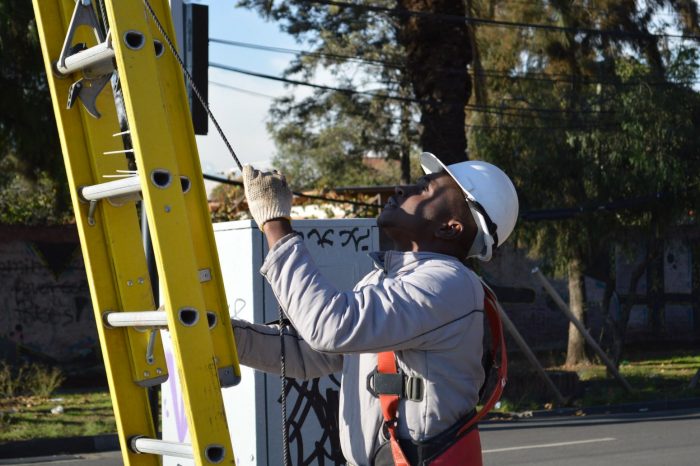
491,198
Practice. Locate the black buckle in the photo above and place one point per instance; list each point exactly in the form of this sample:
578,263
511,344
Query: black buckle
410,388
384,384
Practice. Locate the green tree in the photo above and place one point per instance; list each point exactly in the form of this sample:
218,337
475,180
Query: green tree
405,61
591,119
29,147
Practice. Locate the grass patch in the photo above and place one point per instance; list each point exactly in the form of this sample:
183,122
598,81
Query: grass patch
653,376
29,417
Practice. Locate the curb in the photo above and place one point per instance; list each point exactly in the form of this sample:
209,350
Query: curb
59,445
639,407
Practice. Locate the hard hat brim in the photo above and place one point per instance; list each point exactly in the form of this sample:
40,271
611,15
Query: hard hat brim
432,164
482,246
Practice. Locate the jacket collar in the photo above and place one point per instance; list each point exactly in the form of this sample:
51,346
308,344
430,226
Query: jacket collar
394,261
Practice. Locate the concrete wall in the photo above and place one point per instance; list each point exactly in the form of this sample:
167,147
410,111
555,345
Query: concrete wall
46,312
45,307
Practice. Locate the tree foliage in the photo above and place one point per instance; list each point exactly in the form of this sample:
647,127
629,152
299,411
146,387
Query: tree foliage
29,147
411,97
592,119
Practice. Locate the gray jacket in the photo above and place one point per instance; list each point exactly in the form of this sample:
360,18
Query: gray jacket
427,307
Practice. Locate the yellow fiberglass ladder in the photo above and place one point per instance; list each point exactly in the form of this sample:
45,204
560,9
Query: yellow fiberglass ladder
118,151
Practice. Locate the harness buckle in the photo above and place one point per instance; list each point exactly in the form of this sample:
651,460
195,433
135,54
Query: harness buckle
401,385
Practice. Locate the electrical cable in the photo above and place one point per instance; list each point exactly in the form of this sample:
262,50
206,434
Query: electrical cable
499,23
527,76
296,193
244,91
501,110
584,127
560,213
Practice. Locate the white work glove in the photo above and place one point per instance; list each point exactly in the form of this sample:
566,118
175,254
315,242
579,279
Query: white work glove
268,195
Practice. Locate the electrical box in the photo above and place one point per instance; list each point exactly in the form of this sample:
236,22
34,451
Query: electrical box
340,248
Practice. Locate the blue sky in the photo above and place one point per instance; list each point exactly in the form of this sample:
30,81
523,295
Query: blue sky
242,116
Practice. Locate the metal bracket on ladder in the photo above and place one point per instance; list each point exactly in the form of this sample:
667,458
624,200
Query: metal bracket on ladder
96,63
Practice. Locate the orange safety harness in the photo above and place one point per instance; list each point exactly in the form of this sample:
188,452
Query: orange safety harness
386,364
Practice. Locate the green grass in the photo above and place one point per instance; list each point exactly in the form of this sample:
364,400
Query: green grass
26,418
653,376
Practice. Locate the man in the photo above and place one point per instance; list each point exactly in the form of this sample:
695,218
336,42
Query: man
421,302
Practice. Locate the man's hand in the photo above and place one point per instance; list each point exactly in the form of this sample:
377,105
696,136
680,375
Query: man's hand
268,195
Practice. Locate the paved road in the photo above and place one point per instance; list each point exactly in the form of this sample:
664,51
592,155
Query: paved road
639,439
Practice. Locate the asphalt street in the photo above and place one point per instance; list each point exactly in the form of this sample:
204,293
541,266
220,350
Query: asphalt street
654,438
639,439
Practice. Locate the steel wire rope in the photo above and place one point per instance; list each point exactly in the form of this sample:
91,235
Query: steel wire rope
190,80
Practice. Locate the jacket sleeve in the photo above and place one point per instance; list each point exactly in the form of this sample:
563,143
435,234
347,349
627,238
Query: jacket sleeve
259,347
409,312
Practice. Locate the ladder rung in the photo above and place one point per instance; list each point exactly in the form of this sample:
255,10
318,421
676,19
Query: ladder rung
112,189
160,447
213,453
98,57
149,319
136,319
129,186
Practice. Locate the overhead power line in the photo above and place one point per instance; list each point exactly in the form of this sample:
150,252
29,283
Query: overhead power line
244,91
268,48
298,194
527,76
588,127
500,110
561,213
499,23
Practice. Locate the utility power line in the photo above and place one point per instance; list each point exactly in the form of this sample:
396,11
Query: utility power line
476,126
499,23
298,194
500,110
527,76
561,213
244,91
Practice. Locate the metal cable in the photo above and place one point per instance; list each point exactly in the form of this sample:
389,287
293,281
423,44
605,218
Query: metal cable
188,76
190,81
283,396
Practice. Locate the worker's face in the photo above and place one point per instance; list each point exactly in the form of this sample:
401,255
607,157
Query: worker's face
416,211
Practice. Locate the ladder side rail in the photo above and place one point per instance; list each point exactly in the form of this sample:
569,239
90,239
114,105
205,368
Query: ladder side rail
164,200
180,123
81,137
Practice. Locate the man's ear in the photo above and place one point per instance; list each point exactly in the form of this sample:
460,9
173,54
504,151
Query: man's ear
450,230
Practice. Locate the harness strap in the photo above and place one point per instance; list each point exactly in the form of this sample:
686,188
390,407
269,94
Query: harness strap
386,364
